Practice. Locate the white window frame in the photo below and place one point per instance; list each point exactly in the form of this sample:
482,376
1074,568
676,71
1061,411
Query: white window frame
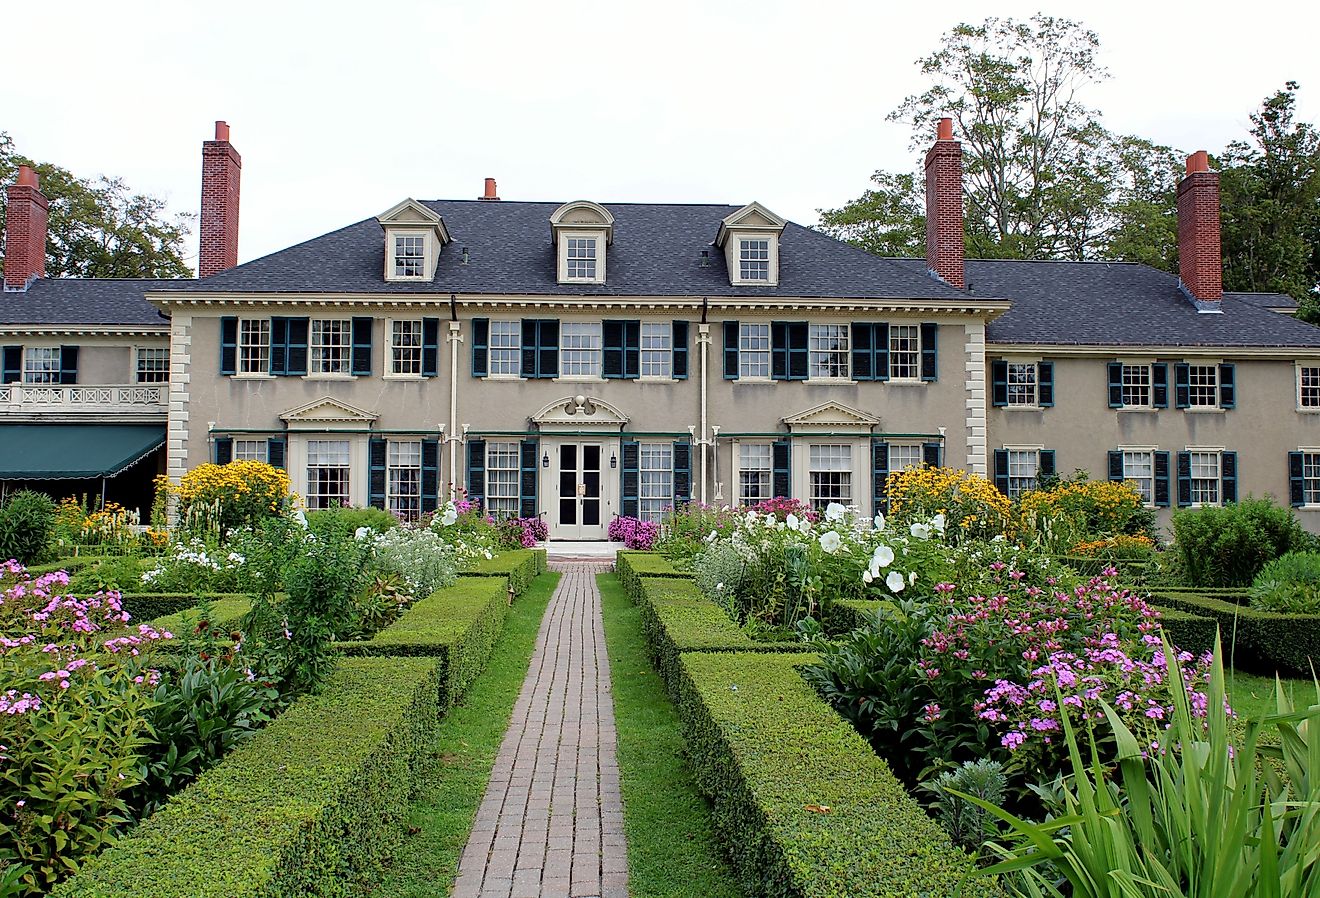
655,480
138,359
762,464
816,496
251,450
1212,386
1310,494
746,353
832,340
753,267
591,355
896,334
1218,479
1027,394
657,350
48,373
1022,486
1301,367
394,350
1145,368
403,493
563,238
916,451
314,500
503,470
1147,497
733,257
316,358
247,350
423,261
504,361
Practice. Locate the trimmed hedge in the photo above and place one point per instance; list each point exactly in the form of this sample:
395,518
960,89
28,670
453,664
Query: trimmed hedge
311,805
521,566
148,606
632,566
767,751
70,564
458,625
1129,570
1189,632
1257,640
226,613
846,615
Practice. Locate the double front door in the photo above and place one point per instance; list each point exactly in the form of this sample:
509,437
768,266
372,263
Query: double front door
580,495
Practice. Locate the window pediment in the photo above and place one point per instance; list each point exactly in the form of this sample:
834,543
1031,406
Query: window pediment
750,240
581,232
414,237
327,413
831,415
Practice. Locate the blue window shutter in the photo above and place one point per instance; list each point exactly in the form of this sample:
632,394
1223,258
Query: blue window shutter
68,364
362,346
632,349
881,344
932,453
1162,480
779,350
1296,480
1116,466
527,478
930,368
1115,384
612,349
629,478
430,475
1184,479
1159,385
228,346
680,361
879,476
224,450
863,352
476,471
11,365
430,347
531,343
731,333
1228,470
1045,463
480,347
999,383
299,335
547,348
1045,384
1001,470
682,473
377,456
1182,385
1227,386
781,479
275,452
279,345
799,350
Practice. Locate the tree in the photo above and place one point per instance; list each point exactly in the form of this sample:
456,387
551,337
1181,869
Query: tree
100,228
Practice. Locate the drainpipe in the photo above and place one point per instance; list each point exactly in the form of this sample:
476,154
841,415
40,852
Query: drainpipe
455,338
703,345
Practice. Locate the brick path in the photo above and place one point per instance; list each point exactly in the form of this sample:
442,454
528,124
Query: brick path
551,823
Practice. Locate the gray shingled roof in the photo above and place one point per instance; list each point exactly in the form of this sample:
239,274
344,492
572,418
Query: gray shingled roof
89,301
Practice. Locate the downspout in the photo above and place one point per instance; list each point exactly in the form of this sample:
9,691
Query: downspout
703,344
453,438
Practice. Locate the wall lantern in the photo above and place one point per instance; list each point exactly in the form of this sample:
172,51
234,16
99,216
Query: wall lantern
545,460
614,460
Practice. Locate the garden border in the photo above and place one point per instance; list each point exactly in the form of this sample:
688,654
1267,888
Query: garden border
519,566
1260,640
633,566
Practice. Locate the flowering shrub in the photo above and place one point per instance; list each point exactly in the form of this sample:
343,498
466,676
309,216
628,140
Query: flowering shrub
110,527
220,498
781,507
1082,509
473,534
523,533
421,558
634,533
687,526
193,566
1117,548
971,505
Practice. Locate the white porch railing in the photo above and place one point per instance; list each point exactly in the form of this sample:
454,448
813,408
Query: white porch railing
79,402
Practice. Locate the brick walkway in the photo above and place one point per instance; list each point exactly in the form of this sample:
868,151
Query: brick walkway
551,823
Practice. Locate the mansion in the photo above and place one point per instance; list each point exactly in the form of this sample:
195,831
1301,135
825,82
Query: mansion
582,360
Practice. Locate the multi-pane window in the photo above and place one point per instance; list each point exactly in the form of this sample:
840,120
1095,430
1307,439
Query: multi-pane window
502,479
657,349
1139,467
754,260
1311,478
254,346
1308,386
505,347
250,450
904,456
403,487
41,365
153,365
753,350
579,348
327,473
1023,465
1022,383
904,352
656,480
330,345
405,347
581,260
1136,385
829,475
829,350
409,255
1205,478
754,470
1203,385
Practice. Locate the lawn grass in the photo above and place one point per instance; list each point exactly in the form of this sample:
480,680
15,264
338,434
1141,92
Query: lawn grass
672,850
469,738
1253,696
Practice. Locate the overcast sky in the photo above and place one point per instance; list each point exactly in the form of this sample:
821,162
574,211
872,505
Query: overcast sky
342,109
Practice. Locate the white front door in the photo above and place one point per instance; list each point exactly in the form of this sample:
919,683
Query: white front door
579,491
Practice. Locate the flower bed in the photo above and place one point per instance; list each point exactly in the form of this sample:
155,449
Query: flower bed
520,566
633,566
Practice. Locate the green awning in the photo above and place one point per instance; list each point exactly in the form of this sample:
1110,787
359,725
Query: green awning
73,451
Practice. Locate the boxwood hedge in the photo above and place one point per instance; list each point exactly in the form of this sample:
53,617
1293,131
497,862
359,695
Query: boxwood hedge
1190,632
150,606
803,805
632,566
520,566
225,614
846,615
1258,640
311,805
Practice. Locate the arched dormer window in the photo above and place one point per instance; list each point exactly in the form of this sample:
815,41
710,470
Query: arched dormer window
582,232
750,240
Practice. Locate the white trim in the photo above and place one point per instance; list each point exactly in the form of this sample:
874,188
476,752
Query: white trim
1298,365
975,386
561,254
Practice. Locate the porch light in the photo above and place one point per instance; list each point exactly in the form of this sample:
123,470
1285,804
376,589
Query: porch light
614,460
545,459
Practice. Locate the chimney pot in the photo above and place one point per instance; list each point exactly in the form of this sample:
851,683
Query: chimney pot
1198,161
1200,253
222,131
27,177
944,130
221,167
26,221
944,207
490,193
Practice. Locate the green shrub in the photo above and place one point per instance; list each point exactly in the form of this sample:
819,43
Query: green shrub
521,566
1189,632
68,564
150,606
309,806
803,805
1290,584
968,824
1228,546
27,525
1256,640
847,615
120,573
225,613
633,566
348,520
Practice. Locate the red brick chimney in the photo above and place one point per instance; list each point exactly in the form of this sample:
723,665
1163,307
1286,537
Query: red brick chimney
219,225
490,193
1200,257
25,230
944,207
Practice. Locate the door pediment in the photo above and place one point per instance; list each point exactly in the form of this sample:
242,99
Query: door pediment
831,416
580,413
327,413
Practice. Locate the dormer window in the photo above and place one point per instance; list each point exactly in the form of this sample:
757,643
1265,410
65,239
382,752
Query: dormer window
414,237
750,240
409,255
581,232
581,259
754,260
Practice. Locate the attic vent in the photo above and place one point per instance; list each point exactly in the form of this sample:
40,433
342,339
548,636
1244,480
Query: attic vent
705,258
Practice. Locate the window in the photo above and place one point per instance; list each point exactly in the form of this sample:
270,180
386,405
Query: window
1311,478
579,349
153,365
1022,383
403,488
656,480
903,456
41,365
1139,467
1136,385
331,339
581,258
904,352
406,347
1022,467
1205,478
250,450
754,470
327,474
254,346
829,475
505,348
657,349
754,350
829,351
754,260
1308,386
502,479
1203,386
409,255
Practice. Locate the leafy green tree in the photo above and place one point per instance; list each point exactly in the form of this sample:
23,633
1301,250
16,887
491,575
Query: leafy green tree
99,227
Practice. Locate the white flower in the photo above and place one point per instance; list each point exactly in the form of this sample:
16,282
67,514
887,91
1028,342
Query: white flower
920,531
771,522
938,522
719,587
867,576
879,522
450,515
835,512
300,518
883,557
912,578
362,533
791,522
830,542
999,538
895,582
713,536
